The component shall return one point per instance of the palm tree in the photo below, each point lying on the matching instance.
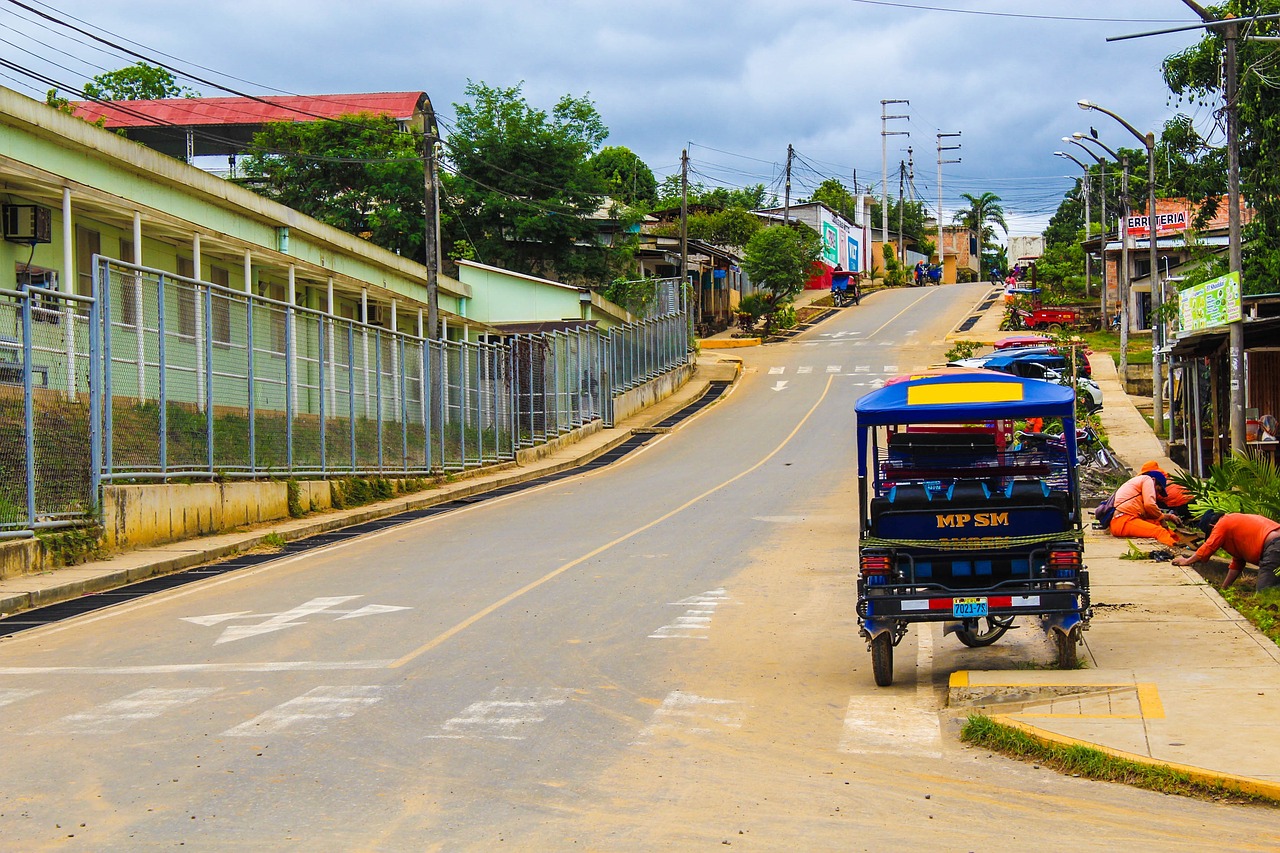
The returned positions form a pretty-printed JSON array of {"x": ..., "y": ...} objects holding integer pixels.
[{"x": 983, "y": 214}]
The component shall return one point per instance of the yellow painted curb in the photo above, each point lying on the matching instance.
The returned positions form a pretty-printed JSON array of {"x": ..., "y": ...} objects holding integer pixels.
[
  {"x": 732, "y": 343},
  {"x": 1244, "y": 784}
]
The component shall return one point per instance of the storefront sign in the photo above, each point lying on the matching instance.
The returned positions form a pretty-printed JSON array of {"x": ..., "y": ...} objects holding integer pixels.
[
  {"x": 1166, "y": 223},
  {"x": 1214, "y": 303}
]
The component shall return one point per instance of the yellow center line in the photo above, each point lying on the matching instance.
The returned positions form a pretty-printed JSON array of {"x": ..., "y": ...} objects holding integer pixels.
[
  {"x": 551, "y": 575},
  {"x": 896, "y": 316}
]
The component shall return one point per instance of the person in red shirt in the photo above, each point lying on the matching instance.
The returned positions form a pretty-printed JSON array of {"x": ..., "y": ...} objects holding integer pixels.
[
  {"x": 1247, "y": 538},
  {"x": 1138, "y": 512},
  {"x": 1176, "y": 499}
]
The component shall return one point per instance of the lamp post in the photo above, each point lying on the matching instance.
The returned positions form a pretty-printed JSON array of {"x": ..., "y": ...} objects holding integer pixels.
[
  {"x": 1088, "y": 268},
  {"x": 1074, "y": 139},
  {"x": 1157, "y": 288}
]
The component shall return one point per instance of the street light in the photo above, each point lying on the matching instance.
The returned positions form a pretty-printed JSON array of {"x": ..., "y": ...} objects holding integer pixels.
[
  {"x": 1157, "y": 289},
  {"x": 1074, "y": 139},
  {"x": 1088, "y": 221}
]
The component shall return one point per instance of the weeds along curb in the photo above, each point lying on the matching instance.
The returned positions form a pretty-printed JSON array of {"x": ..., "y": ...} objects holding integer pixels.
[{"x": 1088, "y": 761}]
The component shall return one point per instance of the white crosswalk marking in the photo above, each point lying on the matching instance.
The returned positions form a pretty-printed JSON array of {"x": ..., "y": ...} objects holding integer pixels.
[
  {"x": 116, "y": 716},
  {"x": 307, "y": 712},
  {"x": 806, "y": 369},
  {"x": 695, "y": 624},
  {"x": 9, "y": 695},
  {"x": 775, "y": 371},
  {"x": 687, "y": 713},
  {"x": 893, "y": 368},
  {"x": 509, "y": 715},
  {"x": 864, "y": 368},
  {"x": 833, "y": 368},
  {"x": 889, "y": 722}
]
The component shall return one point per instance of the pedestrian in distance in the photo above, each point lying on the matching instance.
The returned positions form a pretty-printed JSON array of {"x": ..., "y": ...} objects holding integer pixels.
[
  {"x": 1138, "y": 513},
  {"x": 1247, "y": 538}
]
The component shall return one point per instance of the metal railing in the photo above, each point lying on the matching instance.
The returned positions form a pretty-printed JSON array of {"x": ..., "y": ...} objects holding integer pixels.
[{"x": 159, "y": 377}]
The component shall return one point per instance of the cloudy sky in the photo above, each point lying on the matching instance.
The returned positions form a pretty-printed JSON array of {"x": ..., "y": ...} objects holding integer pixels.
[{"x": 734, "y": 81}]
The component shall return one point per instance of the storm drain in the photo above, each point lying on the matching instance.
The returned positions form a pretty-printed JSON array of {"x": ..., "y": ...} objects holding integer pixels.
[{"x": 96, "y": 601}]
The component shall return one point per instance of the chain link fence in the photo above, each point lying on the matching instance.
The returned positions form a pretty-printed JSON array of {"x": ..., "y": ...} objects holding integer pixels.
[
  {"x": 203, "y": 381},
  {"x": 48, "y": 399}
]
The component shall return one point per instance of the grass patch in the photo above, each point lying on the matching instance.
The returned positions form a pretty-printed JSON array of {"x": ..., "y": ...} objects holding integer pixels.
[
  {"x": 271, "y": 542},
  {"x": 1262, "y": 609},
  {"x": 1091, "y": 763}
]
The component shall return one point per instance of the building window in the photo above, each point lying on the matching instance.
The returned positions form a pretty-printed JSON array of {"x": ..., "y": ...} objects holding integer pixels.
[
  {"x": 275, "y": 291},
  {"x": 88, "y": 244},
  {"x": 186, "y": 299},
  {"x": 221, "y": 311}
]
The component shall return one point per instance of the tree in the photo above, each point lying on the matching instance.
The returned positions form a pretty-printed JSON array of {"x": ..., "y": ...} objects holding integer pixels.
[
  {"x": 1193, "y": 75},
  {"x": 137, "y": 82},
  {"x": 358, "y": 173},
  {"x": 733, "y": 226},
  {"x": 752, "y": 197},
  {"x": 836, "y": 196},
  {"x": 780, "y": 259},
  {"x": 522, "y": 187},
  {"x": 984, "y": 213},
  {"x": 626, "y": 176}
]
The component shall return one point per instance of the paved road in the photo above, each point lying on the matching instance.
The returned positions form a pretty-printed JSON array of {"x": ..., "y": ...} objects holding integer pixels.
[{"x": 662, "y": 653}]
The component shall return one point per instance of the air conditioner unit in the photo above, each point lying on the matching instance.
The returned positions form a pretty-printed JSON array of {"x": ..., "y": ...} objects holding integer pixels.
[{"x": 27, "y": 223}]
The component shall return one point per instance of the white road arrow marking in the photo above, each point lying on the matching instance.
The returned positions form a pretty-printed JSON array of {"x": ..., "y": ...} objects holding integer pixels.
[
  {"x": 372, "y": 609},
  {"x": 779, "y": 385},
  {"x": 876, "y": 383},
  {"x": 289, "y": 618}
]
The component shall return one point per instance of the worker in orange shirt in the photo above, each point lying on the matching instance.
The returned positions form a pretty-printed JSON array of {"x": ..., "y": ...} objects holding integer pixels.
[
  {"x": 1247, "y": 538},
  {"x": 1138, "y": 513},
  {"x": 1176, "y": 499}
]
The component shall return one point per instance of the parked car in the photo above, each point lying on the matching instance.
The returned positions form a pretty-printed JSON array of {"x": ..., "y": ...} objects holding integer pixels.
[{"x": 1037, "y": 363}]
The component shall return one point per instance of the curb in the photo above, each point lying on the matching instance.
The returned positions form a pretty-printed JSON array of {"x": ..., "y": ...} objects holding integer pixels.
[
  {"x": 730, "y": 343},
  {"x": 1244, "y": 784}
]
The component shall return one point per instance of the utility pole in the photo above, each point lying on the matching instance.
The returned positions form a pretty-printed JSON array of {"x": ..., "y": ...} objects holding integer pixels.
[
  {"x": 902, "y": 177},
  {"x": 885, "y": 133},
  {"x": 695, "y": 314},
  {"x": 911, "y": 175},
  {"x": 941, "y": 252},
  {"x": 786, "y": 197},
  {"x": 1124, "y": 270},
  {"x": 431, "y": 203}
]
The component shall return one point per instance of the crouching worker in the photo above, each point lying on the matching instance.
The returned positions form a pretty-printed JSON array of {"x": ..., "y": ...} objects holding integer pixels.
[
  {"x": 1138, "y": 513},
  {"x": 1174, "y": 498},
  {"x": 1247, "y": 538}
]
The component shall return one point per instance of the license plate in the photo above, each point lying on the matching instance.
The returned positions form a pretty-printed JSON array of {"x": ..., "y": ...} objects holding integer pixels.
[{"x": 968, "y": 608}]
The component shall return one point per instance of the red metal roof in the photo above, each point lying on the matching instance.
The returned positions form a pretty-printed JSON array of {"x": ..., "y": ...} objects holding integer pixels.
[{"x": 229, "y": 111}]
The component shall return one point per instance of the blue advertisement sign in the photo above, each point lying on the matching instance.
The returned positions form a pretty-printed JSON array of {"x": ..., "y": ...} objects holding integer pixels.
[{"x": 855, "y": 260}]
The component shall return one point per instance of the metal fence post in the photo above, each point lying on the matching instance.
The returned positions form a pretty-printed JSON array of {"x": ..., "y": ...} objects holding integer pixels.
[
  {"x": 351, "y": 391},
  {"x": 28, "y": 408},
  {"x": 253, "y": 393},
  {"x": 290, "y": 386},
  {"x": 377, "y": 387},
  {"x": 404, "y": 405},
  {"x": 326, "y": 363},
  {"x": 162, "y": 349},
  {"x": 95, "y": 392},
  {"x": 208, "y": 375}
]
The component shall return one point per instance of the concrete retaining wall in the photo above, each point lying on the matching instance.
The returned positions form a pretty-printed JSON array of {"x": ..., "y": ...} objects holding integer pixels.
[
  {"x": 651, "y": 392},
  {"x": 20, "y": 557},
  {"x": 138, "y": 516}
]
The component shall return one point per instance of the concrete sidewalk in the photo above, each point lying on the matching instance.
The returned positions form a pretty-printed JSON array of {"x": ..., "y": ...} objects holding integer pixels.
[
  {"x": 30, "y": 591},
  {"x": 1174, "y": 675}
]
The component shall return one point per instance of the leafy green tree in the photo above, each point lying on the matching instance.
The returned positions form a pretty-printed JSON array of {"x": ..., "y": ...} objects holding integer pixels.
[
  {"x": 1193, "y": 76},
  {"x": 836, "y": 196},
  {"x": 358, "y": 173},
  {"x": 137, "y": 82},
  {"x": 733, "y": 226},
  {"x": 780, "y": 260},
  {"x": 752, "y": 197},
  {"x": 626, "y": 177},
  {"x": 522, "y": 186}
]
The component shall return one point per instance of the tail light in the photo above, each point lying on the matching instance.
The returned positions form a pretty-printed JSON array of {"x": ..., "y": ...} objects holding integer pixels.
[
  {"x": 876, "y": 568},
  {"x": 1065, "y": 563}
]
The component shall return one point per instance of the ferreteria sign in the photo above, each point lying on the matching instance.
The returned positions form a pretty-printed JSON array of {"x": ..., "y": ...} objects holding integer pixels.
[
  {"x": 1166, "y": 223},
  {"x": 1214, "y": 303}
]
